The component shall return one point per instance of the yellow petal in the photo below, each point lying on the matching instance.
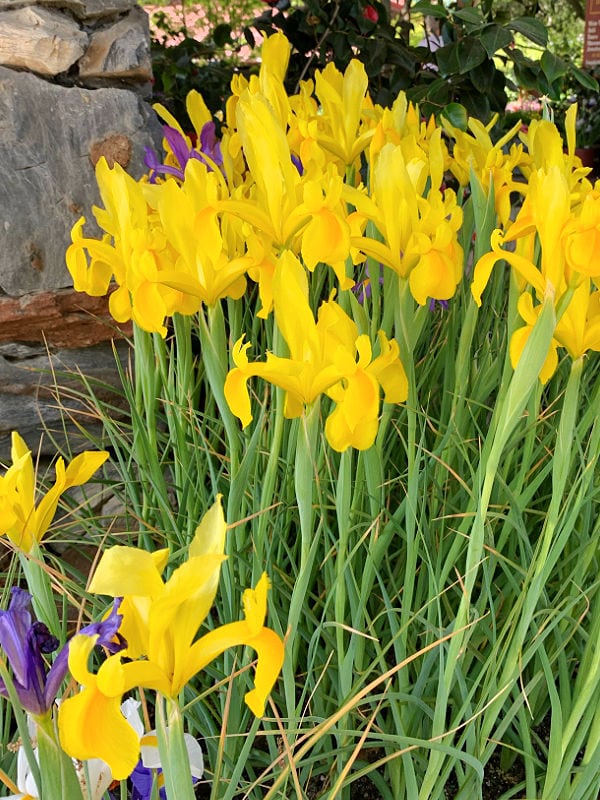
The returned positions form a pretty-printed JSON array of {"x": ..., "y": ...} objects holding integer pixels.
[
  {"x": 83, "y": 466},
  {"x": 354, "y": 421},
  {"x": 517, "y": 344},
  {"x": 270, "y": 651},
  {"x": 210, "y": 533},
  {"x": 126, "y": 570},
  {"x": 91, "y": 725},
  {"x": 236, "y": 394}
]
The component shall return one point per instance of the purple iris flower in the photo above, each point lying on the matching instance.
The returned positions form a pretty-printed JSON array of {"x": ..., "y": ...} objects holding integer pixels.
[
  {"x": 209, "y": 147},
  {"x": 362, "y": 289},
  {"x": 25, "y": 640},
  {"x": 142, "y": 779},
  {"x": 443, "y": 304},
  {"x": 297, "y": 162}
]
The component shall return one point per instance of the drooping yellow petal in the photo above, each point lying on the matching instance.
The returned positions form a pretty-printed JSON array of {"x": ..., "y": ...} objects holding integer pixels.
[
  {"x": 90, "y": 723},
  {"x": 354, "y": 422},
  {"x": 250, "y": 632}
]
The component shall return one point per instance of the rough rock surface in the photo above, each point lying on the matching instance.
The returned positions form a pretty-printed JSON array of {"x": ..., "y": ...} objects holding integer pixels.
[
  {"x": 73, "y": 78},
  {"x": 121, "y": 50},
  {"x": 49, "y": 137},
  {"x": 41, "y": 40},
  {"x": 32, "y": 404},
  {"x": 57, "y": 319}
]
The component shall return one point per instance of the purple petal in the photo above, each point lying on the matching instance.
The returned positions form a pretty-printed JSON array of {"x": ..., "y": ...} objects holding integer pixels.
[
  {"x": 109, "y": 637},
  {"x": 443, "y": 304},
  {"x": 23, "y": 641},
  {"x": 296, "y": 161},
  {"x": 151, "y": 159},
  {"x": 178, "y": 145},
  {"x": 141, "y": 779},
  {"x": 56, "y": 675},
  {"x": 107, "y": 629},
  {"x": 210, "y": 145}
]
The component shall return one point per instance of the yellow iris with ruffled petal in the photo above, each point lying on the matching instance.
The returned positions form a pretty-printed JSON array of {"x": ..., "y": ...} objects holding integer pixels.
[
  {"x": 160, "y": 622},
  {"x": 325, "y": 356}
]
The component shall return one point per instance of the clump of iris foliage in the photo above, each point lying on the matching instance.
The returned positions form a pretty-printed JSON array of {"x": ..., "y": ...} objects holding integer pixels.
[{"x": 375, "y": 335}]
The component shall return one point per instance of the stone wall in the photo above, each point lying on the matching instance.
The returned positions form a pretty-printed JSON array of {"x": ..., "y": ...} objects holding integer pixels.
[{"x": 75, "y": 78}]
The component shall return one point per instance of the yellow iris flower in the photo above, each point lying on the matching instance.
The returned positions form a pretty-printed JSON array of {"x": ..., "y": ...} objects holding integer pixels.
[
  {"x": 474, "y": 150},
  {"x": 344, "y": 100},
  {"x": 22, "y": 521},
  {"x": 284, "y": 209},
  {"x": 160, "y": 621},
  {"x": 324, "y": 356},
  {"x": 134, "y": 251},
  {"x": 544, "y": 214},
  {"x": 582, "y": 237},
  {"x": 578, "y": 330},
  {"x": 207, "y": 255},
  {"x": 419, "y": 233}
]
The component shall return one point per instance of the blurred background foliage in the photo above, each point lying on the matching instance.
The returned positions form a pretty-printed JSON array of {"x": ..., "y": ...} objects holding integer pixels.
[{"x": 480, "y": 54}]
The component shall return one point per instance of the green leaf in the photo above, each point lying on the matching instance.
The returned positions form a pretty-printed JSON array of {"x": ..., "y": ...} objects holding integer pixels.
[
  {"x": 585, "y": 79},
  {"x": 531, "y": 29},
  {"x": 461, "y": 57},
  {"x": 519, "y": 57},
  {"x": 456, "y": 114},
  {"x": 429, "y": 10},
  {"x": 495, "y": 37},
  {"x": 222, "y": 34},
  {"x": 470, "y": 16},
  {"x": 447, "y": 59},
  {"x": 553, "y": 66},
  {"x": 438, "y": 94}
]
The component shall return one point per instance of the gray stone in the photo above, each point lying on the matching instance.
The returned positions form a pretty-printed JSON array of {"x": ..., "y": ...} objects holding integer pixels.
[
  {"x": 44, "y": 415},
  {"x": 89, "y": 9},
  {"x": 121, "y": 50},
  {"x": 40, "y": 40},
  {"x": 47, "y": 134}
]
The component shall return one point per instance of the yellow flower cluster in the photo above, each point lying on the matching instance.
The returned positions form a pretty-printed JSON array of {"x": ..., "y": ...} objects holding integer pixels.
[
  {"x": 326, "y": 179},
  {"x": 560, "y": 217}
]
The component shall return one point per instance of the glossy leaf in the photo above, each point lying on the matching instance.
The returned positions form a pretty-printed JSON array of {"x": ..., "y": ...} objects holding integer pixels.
[
  {"x": 461, "y": 57},
  {"x": 456, "y": 114},
  {"x": 531, "y": 29},
  {"x": 585, "y": 79},
  {"x": 469, "y": 16},
  {"x": 429, "y": 10}
]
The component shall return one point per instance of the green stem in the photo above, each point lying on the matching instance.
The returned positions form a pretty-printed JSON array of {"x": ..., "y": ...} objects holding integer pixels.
[
  {"x": 40, "y": 588},
  {"x": 305, "y": 477},
  {"x": 173, "y": 752},
  {"x": 59, "y": 778}
]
